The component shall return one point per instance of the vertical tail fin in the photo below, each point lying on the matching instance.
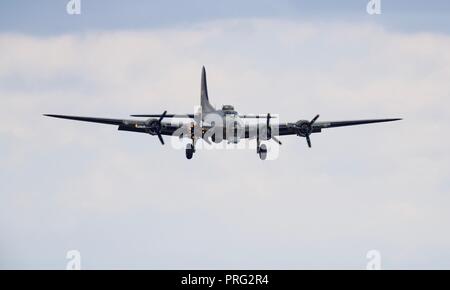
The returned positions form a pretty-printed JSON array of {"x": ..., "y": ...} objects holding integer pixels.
[{"x": 204, "y": 100}]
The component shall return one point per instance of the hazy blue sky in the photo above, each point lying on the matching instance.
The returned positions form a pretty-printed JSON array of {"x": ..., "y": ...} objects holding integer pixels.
[
  {"x": 48, "y": 17},
  {"x": 124, "y": 201}
]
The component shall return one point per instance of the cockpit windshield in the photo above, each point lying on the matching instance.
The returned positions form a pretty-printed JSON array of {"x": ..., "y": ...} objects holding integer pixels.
[{"x": 228, "y": 110}]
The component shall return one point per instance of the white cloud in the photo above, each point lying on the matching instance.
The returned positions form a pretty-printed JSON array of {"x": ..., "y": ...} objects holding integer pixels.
[{"x": 123, "y": 200}]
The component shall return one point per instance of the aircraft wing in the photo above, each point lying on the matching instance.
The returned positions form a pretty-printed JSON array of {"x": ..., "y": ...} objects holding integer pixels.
[
  {"x": 292, "y": 128},
  {"x": 333, "y": 124},
  {"x": 123, "y": 124},
  {"x": 90, "y": 119}
]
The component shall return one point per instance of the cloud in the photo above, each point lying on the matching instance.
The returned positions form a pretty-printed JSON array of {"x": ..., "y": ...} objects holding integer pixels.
[{"x": 125, "y": 201}]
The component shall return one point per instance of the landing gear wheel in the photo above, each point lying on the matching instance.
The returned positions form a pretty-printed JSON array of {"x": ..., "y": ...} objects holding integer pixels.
[
  {"x": 189, "y": 151},
  {"x": 262, "y": 151}
]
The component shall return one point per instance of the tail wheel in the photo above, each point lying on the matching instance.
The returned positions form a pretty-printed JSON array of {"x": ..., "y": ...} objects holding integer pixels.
[
  {"x": 189, "y": 151},
  {"x": 262, "y": 151}
]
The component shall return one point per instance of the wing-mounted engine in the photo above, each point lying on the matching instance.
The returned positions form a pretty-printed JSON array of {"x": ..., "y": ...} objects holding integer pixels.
[
  {"x": 305, "y": 128},
  {"x": 154, "y": 126},
  {"x": 302, "y": 128}
]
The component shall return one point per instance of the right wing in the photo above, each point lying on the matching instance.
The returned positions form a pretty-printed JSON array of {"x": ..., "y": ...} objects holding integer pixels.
[{"x": 124, "y": 124}]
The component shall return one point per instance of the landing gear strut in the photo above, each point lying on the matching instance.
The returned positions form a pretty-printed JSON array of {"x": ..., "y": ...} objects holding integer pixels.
[{"x": 190, "y": 148}]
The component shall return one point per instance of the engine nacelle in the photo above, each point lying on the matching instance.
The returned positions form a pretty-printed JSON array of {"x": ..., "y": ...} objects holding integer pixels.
[
  {"x": 153, "y": 126},
  {"x": 304, "y": 128}
]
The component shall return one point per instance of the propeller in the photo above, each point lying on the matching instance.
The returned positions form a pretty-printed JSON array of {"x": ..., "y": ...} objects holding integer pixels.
[
  {"x": 154, "y": 127},
  {"x": 269, "y": 129},
  {"x": 159, "y": 131},
  {"x": 306, "y": 129}
]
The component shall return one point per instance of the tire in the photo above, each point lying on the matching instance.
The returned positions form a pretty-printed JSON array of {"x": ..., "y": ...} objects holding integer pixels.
[
  {"x": 263, "y": 152},
  {"x": 189, "y": 151}
]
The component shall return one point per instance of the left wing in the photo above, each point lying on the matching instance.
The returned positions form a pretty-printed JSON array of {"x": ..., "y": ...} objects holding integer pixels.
[
  {"x": 333, "y": 124},
  {"x": 316, "y": 127},
  {"x": 302, "y": 128}
]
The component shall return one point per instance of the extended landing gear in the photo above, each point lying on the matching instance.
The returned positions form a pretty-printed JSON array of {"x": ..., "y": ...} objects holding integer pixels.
[
  {"x": 262, "y": 151},
  {"x": 190, "y": 150}
]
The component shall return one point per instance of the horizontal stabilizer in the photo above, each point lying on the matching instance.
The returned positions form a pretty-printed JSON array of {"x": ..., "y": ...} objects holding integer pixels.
[
  {"x": 166, "y": 116},
  {"x": 255, "y": 116}
]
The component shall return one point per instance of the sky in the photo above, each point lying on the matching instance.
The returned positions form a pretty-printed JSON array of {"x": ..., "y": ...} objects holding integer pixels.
[{"x": 123, "y": 201}]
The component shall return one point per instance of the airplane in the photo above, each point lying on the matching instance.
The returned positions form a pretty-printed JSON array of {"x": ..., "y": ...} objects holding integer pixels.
[{"x": 219, "y": 125}]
